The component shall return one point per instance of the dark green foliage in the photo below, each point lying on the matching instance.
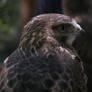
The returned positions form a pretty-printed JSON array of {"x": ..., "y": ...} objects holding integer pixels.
[{"x": 9, "y": 26}]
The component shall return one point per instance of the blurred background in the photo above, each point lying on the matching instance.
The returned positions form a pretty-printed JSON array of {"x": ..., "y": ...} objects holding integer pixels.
[{"x": 9, "y": 26}]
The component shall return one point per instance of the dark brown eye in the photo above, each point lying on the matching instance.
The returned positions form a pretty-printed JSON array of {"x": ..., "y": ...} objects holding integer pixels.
[
  {"x": 65, "y": 26},
  {"x": 58, "y": 27},
  {"x": 61, "y": 27}
]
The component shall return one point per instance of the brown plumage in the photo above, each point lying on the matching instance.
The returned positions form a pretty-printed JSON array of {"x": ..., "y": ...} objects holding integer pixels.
[
  {"x": 81, "y": 10},
  {"x": 44, "y": 61}
]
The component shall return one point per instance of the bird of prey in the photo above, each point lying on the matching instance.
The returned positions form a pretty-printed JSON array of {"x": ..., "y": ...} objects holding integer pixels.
[{"x": 45, "y": 60}]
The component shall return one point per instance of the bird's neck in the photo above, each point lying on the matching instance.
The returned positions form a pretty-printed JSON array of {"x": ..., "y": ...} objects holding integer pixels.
[{"x": 45, "y": 45}]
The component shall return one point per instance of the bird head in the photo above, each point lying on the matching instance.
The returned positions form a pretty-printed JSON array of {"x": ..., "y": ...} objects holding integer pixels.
[
  {"x": 50, "y": 30},
  {"x": 67, "y": 32}
]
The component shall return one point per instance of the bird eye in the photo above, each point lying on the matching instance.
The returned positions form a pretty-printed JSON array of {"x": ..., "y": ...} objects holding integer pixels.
[
  {"x": 61, "y": 27},
  {"x": 65, "y": 26},
  {"x": 58, "y": 27}
]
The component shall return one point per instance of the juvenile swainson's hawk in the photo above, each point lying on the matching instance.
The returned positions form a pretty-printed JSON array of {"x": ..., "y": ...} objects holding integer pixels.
[{"x": 44, "y": 60}]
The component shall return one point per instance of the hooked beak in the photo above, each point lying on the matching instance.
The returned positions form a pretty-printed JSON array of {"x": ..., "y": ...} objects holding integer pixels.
[{"x": 79, "y": 31}]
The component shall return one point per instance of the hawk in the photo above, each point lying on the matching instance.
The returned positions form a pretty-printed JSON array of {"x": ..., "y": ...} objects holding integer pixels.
[{"x": 45, "y": 60}]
